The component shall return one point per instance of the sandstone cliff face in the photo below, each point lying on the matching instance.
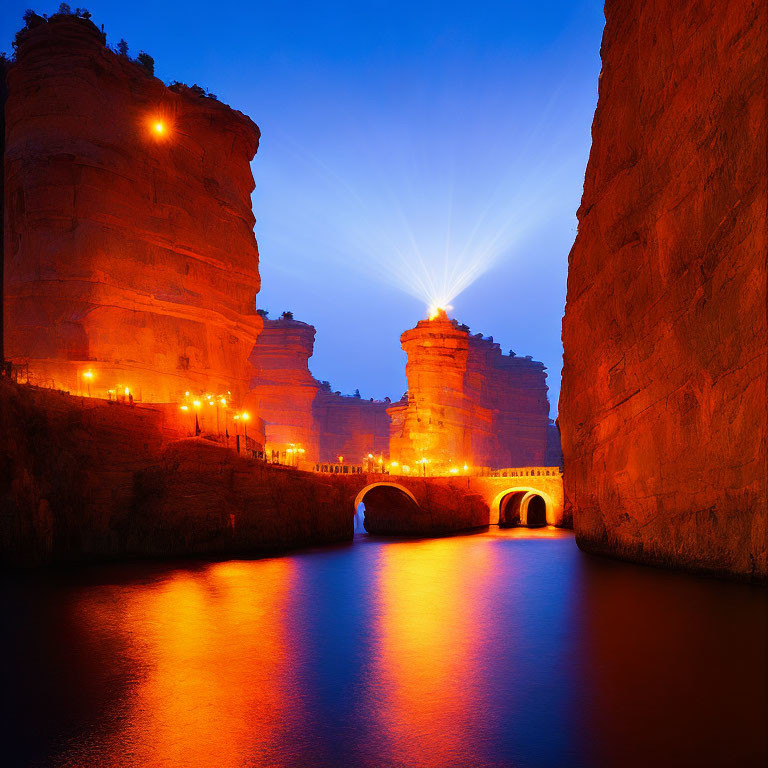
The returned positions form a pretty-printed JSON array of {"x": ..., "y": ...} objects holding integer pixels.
[
  {"x": 84, "y": 479},
  {"x": 468, "y": 403},
  {"x": 282, "y": 388},
  {"x": 350, "y": 427},
  {"x": 299, "y": 411},
  {"x": 663, "y": 405},
  {"x": 128, "y": 251}
]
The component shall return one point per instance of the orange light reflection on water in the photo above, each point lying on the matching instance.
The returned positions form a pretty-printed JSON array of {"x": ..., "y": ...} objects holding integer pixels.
[
  {"x": 430, "y": 645},
  {"x": 214, "y": 654}
]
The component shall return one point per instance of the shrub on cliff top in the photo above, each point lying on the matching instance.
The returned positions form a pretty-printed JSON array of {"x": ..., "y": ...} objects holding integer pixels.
[
  {"x": 146, "y": 62},
  {"x": 177, "y": 87},
  {"x": 32, "y": 20}
]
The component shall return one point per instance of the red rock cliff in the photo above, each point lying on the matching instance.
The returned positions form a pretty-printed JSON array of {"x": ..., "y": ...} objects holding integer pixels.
[
  {"x": 82, "y": 479},
  {"x": 282, "y": 388},
  {"x": 663, "y": 405},
  {"x": 468, "y": 403},
  {"x": 299, "y": 412},
  {"x": 351, "y": 427},
  {"x": 129, "y": 242}
]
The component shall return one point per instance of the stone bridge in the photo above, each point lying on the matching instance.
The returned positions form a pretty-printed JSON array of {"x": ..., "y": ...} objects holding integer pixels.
[{"x": 406, "y": 504}]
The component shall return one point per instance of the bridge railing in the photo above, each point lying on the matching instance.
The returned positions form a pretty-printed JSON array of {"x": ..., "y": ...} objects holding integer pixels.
[
  {"x": 338, "y": 469},
  {"x": 524, "y": 472},
  {"x": 358, "y": 469}
]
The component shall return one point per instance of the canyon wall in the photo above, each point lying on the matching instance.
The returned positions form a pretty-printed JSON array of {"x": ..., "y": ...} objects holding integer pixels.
[
  {"x": 350, "y": 426},
  {"x": 301, "y": 413},
  {"x": 663, "y": 406},
  {"x": 282, "y": 390},
  {"x": 129, "y": 246},
  {"x": 84, "y": 479},
  {"x": 467, "y": 403}
]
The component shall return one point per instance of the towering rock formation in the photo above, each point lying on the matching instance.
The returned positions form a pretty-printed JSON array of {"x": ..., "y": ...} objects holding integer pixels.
[
  {"x": 129, "y": 247},
  {"x": 301, "y": 413},
  {"x": 468, "y": 403},
  {"x": 350, "y": 426},
  {"x": 663, "y": 406},
  {"x": 282, "y": 389}
]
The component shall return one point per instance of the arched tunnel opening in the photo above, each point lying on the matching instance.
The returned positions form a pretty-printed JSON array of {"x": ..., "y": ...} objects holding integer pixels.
[
  {"x": 522, "y": 508},
  {"x": 537, "y": 512},
  {"x": 509, "y": 509},
  {"x": 384, "y": 508}
]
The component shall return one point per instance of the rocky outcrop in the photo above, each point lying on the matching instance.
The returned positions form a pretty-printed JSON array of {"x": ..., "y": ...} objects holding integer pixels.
[
  {"x": 301, "y": 413},
  {"x": 84, "y": 479},
  {"x": 663, "y": 406},
  {"x": 202, "y": 498},
  {"x": 350, "y": 426},
  {"x": 467, "y": 403},
  {"x": 282, "y": 389},
  {"x": 554, "y": 454},
  {"x": 129, "y": 243}
]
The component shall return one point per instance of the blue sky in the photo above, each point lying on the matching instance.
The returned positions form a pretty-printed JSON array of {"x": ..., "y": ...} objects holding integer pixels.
[{"x": 405, "y": 145}]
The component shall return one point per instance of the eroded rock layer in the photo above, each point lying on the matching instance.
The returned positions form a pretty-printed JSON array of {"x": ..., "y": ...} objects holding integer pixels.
[
  {"x": 87, "y": 479},
  {"x": 351, "y": 427},
  {"x": 467, "y": 403},
  {"x": 129, "y": 246},
  {"x": 663, "y": 405},
  {"x": 282, "y": 389},
  {"x": 303, "y": 414}
]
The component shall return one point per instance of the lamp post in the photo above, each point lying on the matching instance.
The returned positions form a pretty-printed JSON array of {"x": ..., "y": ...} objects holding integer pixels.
[
  {"x": 88, "y": 375},
  {"x": 196, "y": 404}
]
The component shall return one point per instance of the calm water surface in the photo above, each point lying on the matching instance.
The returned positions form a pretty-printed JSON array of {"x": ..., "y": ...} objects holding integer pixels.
[{"x": 507, "y": 648}]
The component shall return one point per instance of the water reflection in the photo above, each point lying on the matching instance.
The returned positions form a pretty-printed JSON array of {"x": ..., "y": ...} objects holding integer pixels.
[
  {"x": 430, "y": 636},
  {"x": 215, "y": 656},
  {"x": 675, "y": 668},
  {"x": 509, "y": 648}
]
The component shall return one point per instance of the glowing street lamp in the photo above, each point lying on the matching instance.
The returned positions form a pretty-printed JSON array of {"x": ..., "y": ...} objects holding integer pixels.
[
  {"x": 245, "y": 416},
  {"x": 88, "y": 375}
]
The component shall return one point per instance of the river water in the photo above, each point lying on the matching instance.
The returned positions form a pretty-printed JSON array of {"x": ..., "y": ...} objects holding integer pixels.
[{"x": 506, "y": 648}]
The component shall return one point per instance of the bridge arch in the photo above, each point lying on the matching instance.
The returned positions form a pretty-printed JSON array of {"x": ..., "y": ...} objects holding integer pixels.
[
  {"x": 521, "y": 496},
  {"x": 359, "y": 497}
]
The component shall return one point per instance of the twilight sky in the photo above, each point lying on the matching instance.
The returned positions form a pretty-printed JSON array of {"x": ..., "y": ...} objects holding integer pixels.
[{"x": 410, "y": 151}]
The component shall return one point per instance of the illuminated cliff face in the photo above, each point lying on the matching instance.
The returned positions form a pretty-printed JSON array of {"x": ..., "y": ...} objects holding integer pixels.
[
  {"x": 282, "y": 388},
  {"x": 468, "y": 403},
  {"x": 351, "y": 427},
  {"x": 663, "y": 408},
  {"x": 300, "y": 413},
  {"x": 129, "y": 245}
]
